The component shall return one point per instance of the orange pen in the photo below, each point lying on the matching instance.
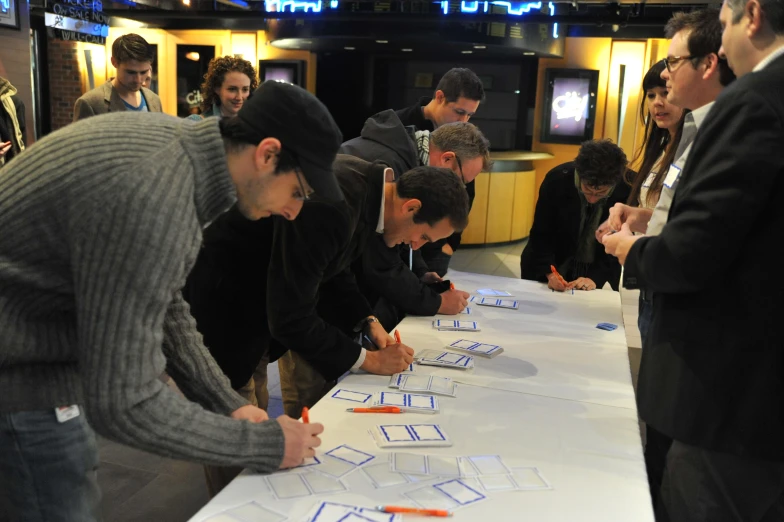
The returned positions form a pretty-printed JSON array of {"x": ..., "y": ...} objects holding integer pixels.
[
  {"x": 383, "y": 409},
  {"x": 554, "y": 271},
  {"x": 452, "y": 286},
  {"x": 415, "y": 511},
  {"x": 305, "y": 415},
  {"x": 397, "y": 337}
]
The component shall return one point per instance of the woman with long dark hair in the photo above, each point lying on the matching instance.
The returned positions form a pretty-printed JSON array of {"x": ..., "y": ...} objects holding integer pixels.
[{"x": 663, "y": 124}]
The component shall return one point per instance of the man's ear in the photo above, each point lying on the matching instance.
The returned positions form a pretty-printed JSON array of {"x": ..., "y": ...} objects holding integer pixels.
[
  {"x": 712, "y": 61},
  {"x": 115, "y": 63},
  {"x": 266, "y": 154},
  {"x": 440, "y": 98},
  {"x": 411, "y": 206}
]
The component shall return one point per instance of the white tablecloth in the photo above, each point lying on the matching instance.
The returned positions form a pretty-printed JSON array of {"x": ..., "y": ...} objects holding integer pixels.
[{"x": 559, "y": 398}]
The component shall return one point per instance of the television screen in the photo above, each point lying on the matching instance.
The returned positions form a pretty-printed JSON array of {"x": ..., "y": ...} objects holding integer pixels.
[
  {"x": 289, "y": 71},
  {"x": 281, "y": 74},
  {"x": 570, "y": 105}
]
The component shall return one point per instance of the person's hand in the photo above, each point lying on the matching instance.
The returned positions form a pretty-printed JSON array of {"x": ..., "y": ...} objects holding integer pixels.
[
  {"x": 619, "y": 214},
  {"x": 554, "y": 282},
  {"x": 4, "y": 147},
  {"x": 583, "y": 283},
  {"x": 453, "y": 302},
  {"x": 603, "y": 230},
  {"x": 301, "y": 439},
  {"x": 637, "y": 218},
  {"x": 431, "y": 277},
  {"x": 620, "y": 243},
  {"x": 394, "y": 358},
  {"x": 379, "y": 336},
  {"x": 446, "y": 249},
  {"x": 250, "y": 413}
]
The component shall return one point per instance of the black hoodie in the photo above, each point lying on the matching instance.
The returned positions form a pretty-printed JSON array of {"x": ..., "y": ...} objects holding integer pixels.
[{"x": 385, "y": 139}]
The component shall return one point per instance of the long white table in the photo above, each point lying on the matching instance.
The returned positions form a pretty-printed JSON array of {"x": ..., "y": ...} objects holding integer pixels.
[{"x": 559, "y": 398}]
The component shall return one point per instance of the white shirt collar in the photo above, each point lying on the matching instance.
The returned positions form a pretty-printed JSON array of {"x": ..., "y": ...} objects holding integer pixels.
[
  {"x": 389, "y": 176},
  {"x": 769, "y": 58}
]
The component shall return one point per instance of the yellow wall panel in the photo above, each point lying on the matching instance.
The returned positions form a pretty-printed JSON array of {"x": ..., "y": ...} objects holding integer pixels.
[
  {"x": 474, "y": 234},
  {"x": 500, "y": 207},
  {"x": 523, "y": 206}
]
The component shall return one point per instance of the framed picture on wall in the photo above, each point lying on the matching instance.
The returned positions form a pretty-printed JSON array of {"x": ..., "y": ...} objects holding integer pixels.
[
  {"x": 421, "y": 80},
  {"x": 9, "y": 14}
]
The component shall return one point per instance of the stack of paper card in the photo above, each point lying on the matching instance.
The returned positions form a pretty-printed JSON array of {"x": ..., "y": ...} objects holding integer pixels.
[
  {"x": 410, "y": 435},
  {"x": 498, "y": 303},
  {"x": 452, "y": 325},
  {"x": 424, "y": 383},
  {"x": 450, "y": 495},
  {"x": 408, "y": 402},
  {"x": 493, "y": 293},
  {"x": 444, "y": 359},
  {"x": 473, "y": 347},
  {"x": 334, "y": 512}
]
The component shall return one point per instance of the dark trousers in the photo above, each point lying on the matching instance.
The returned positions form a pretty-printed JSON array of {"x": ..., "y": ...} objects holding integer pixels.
[
  {"x": 657, "y": 445},
  {"x": 707, "y": 486}
]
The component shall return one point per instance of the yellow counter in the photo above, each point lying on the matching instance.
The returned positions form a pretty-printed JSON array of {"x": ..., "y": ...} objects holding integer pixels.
[{"x": 503, "y": 209}]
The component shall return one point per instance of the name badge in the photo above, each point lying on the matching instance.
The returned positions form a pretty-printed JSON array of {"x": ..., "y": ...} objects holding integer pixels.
[
  {"x": 66, "y": 413},
  {"x": 672, "y": 176}
]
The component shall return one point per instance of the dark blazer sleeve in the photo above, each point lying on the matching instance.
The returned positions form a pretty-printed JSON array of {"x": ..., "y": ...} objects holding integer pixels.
[
  {"x": 301, "y": 252},
  {"x": 454, "y": 240},
  {"x": 419, "y": 267},
  {"x": 721, "y": 194},
  {"x": 384, "y": 271},
  {"x": 539, "y": 253}
]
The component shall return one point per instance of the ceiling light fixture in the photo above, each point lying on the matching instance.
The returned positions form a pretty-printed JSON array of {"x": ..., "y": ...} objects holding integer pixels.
[
  {"x": 406, "y": 50},
  {"x": 193, "y": 56},
  {"x": 382, "y": 41},
  {"x": 479, "y": 47},
  {"x": 529, "y": 54},
  {"x": 349, "y": 48},
  {"x": 466, "y": 52}
]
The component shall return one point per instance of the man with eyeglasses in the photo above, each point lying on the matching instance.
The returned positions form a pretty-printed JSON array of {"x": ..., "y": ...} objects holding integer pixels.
[
  {"x": 695, "y": 76},
  {"x": 107, "y": 221},
  {"x": 573, "y": 199}
]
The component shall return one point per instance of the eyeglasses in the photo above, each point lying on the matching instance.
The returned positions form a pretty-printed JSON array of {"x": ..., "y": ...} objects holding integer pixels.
[
  {"x": 672, "y": 61},
  {"x": 460, "y": 168},
  {"x": 601, "y": 194},
  {"x": 305, "y": 196}
]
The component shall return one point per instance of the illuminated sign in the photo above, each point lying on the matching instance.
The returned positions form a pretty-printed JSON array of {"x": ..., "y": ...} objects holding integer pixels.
[
  {"x": 281, "y": 6},
  {"x": 570, "y": 105}
]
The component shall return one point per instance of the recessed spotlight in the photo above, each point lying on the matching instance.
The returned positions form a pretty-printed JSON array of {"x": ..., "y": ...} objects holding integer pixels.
[
  {"x": 349, "y": 48},
  {"x": 517, "y": 92},
  {"x": 466, "y": 52},
  {"x": 307, "y": 42},
  {"x": 382, "y": 41},
  {"x": 406, "y": 50},
  {"x": 479, "y": 47},
  {"x": 529, "y": 54}
]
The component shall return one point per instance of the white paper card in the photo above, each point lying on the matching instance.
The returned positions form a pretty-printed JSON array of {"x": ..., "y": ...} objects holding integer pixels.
[
  {"x": 350, "y": 455},
  {"x": 335, "y": 467},
  {"x": 394, "y": 381},
  {"x": 408, "y": 401},
  {"x": 493, "y": 483},
  {"x": 499, "y": 303},
  {"x": 408, "y": 463},
  {"x": 452, "y": 324},
  {"x": 474, "y": 347},
  {"x": 428, "y": 383},
  {"x": 415, "y": 382},
  {"x": 410, "y": 435},
  {"x": 351, "y": 396},
  {"x": 443, "y": 466},
  {"x": 321, "y": 484},
  {"x": 285, "y": 486},
  {"x": 445, "y": 359},
  {"x": 530, "y": 479},
  {"x": 466, "y": 311},
  {"x": 459, "y": 492},
  {"x": 334, "y": 512},
  {"x": 382, "y": 477},
  {"x": 491, "y": 292},
  {"x": 430, "y": 498},
  {"x": 489, "y": 465},
  {"x": 221, "y": 517},
  {"x": 254, "y": 512}
]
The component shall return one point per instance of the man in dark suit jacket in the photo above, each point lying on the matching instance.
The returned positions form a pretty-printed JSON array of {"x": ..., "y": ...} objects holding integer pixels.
[
  {"x": 574, "y": 199},
  {"x": 711, "y": 373},
  {"x": 132, "y": 56}
]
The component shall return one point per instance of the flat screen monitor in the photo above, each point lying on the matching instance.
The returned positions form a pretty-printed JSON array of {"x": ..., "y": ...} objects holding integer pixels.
[
  {"x": 289, "y": 71},
  {"x": 569, "y": 105}
]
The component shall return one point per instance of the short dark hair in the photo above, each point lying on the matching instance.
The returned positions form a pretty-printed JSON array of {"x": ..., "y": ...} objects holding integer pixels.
[
  {"x": 465, "y": 140},
  {"x": 704, "y": 37},
  {"x": 237, "y": 135},
  {"x": 461, "y": 83},
  {"x": 130, "y": 47},
  {"x": 773, "y": 10},
  {"x": 441, "y": 192},
  {"x": 600, "y": 163}
]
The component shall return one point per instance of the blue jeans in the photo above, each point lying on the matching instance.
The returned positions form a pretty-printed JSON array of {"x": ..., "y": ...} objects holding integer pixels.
[
  {"x": 48, "y": 470},
  {"x": 645, "y": 314}
]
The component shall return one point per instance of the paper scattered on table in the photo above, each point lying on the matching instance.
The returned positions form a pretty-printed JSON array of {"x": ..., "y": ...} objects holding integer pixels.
[
  {"x": 250, "y": 512},
  {"x": 444, "y": 359},
  {"x": 519, "y": 479},
  {"x": 466, "y": 311},
  {"x": 493, "y": 293},
  {"x": 382, "y": 477},
  {"x": 352, "y": 396},
  {"x": 285, "y": 486},
  {"x": 410, "y": 435},
  {"x": 341, "y": 461},
  {"x": 473, "y": 347},
  {"x": 438, "y": 465},
  {"x": 409, "y": 402},
  {"x": 424, "y": 383},
  {"x": 450, "y": 495},
  {"x": 334, "y": 512},
  {"x": 450, "y": 325},
  {"x": 498, "y": 303}
]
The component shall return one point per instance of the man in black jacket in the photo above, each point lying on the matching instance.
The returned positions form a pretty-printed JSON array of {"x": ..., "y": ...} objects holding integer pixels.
[
  {"x": 573, "y": 200},
  {"x": 710, "y": 376}
]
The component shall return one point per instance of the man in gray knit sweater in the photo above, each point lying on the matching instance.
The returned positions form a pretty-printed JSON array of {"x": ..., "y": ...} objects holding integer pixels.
[{"x": 99, "y": 227}]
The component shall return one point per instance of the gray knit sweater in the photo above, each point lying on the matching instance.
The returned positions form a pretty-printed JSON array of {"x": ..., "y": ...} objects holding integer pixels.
[{"x": 100, "y": 224}]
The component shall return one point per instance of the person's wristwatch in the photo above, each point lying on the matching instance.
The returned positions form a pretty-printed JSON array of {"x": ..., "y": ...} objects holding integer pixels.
[{"x": 366, "y": 322}]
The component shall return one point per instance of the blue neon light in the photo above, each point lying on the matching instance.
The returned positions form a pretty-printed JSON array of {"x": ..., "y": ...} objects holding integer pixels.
[
  {"x": 555, "y": 30},
  {"x": 279, "y": 6},
  {"x": 333, "y": 4},
  {"x": 5, "y": 6},
  {"x": 552, "y": 8},
  {"x": 445, "y": 7}
]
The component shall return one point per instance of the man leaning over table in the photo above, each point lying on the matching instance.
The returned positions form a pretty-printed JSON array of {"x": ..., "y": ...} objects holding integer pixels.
[
  {"x": 710, "y": 376},
  {"x": 91, "y": 310}
]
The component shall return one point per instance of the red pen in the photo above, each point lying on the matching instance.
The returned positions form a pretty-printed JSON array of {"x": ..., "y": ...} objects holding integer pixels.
[
  {"x": 415, "y": 511},
  {"x": 305, "y": 415},
  {"x": 397, "y": 337}
]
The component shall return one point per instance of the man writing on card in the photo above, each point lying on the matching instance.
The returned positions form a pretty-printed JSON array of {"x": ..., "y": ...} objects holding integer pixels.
[
  {"x": 309, "y": 270},
  {"x": 692, "y": 84},
  {"x": 573, "y": 200},
  {"x": 91, "y": 311}
]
